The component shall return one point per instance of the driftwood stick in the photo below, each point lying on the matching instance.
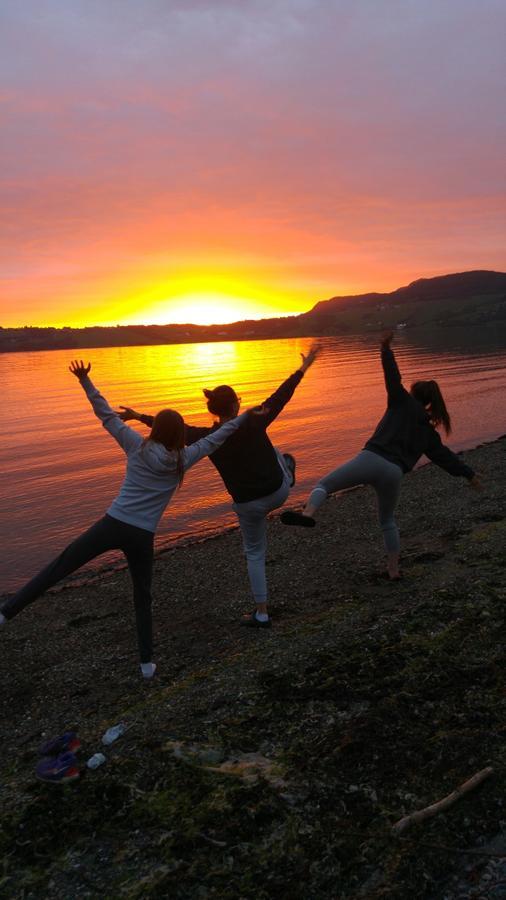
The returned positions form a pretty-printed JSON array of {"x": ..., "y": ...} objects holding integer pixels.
[
  {"x": 438, "y": 807},
  {"x": 211, "y": 840}
]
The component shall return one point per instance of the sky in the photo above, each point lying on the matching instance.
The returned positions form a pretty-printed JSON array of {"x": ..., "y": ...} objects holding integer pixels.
[{"x": 215, "y": 160}]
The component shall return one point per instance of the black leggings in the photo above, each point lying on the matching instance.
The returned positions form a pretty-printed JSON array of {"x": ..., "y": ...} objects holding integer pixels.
[{"x": 106, "y": 534}]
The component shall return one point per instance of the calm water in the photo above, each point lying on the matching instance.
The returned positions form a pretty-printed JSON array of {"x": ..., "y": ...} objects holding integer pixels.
[{"x": 59, "y": 469}]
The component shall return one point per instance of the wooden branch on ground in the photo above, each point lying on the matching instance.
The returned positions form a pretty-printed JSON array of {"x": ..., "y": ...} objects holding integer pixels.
[
  {"x": 211, "y": 840},
  {"x": 443, "y": 804}
]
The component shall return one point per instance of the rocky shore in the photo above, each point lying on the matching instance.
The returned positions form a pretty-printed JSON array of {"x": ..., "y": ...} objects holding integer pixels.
[{"x": 273, "y": 763}]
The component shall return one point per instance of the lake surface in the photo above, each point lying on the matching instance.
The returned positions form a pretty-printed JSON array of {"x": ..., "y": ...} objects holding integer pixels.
[{"x": 59, "y": 469}]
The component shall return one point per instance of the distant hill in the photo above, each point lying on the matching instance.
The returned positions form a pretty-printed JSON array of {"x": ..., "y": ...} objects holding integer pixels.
[
  {"x": 476, "y": 298},
  {"x": 474, "y": 302}
]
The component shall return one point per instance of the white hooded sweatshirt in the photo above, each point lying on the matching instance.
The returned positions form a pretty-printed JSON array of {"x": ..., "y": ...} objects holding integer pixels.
[{"x": 151, "y": 474}]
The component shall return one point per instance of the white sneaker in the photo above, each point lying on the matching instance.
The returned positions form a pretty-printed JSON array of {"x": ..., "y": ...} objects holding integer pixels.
[{"x": 148, "y": 670}]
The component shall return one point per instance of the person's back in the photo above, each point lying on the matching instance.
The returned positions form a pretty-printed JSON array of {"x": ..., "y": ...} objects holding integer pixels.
[
  {"x": 406, "y": 432},
  {"x": 153, "y": 470},
  {"x": 150, "y": 480},
  {"x": 403, "y": 434},
  {"x": 247, "y": 463}
]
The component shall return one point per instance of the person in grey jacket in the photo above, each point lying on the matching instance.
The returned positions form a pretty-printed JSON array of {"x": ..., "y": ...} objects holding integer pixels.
[
  {"x": 406, "y": 431},
  {"x": 155, "y": 469}
]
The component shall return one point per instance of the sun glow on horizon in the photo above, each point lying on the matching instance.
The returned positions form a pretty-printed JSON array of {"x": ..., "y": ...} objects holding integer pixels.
[
  {"x": 188, "y": 296},
  {"x": 207, "y": 295},
  {"x": 204, "y": 308}
]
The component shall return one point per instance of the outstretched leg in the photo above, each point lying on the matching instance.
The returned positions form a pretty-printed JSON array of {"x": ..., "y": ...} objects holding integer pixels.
[
  {"x": 366, "y": 468},
  {"x": 100, "y": 538},
  {"x": 349, "y": 475}
]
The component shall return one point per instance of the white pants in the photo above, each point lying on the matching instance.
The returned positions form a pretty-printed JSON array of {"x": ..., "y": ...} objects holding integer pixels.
[{"x": 253, "y": 521}]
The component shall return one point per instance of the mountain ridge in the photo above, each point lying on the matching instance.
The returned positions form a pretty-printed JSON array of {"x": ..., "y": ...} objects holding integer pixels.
[{"x": 461, "y": 284}]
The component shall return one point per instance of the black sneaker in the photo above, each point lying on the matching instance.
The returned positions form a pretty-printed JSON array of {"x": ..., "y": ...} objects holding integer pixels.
[
  {"x": 290, "y": 517},
  {"x": 290, "y": 465}
]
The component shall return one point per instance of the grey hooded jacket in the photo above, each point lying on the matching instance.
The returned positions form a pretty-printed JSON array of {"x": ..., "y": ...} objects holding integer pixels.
[{"x": 151, "y": 474}]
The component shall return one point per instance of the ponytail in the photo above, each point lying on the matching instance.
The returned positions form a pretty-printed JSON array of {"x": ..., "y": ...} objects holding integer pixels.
[{"x": 428, "y": 393}]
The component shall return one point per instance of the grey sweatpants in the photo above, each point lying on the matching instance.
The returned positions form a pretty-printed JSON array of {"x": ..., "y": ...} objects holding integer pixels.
[
  {"x": 367, "y": 468},
  {"x": 253, "y": 521}
]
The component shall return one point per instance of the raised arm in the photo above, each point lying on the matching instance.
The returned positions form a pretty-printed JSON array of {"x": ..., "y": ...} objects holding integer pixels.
[
  {"x": 278, "y": 400},
  {"x": 393, "y": 380},
  {"x": 215, "y": 439},
  {"x": 126, "y": 437}
]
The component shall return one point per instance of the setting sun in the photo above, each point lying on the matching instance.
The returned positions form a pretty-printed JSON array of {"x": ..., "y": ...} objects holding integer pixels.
[
  {"x": 200, "y": 295},
  {"x": 205, "y": 309},
  {"x": 202, "y": 309}
]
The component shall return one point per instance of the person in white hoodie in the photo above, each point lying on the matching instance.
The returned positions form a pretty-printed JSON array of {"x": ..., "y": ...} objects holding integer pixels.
[{"x": 155, "y": 469}]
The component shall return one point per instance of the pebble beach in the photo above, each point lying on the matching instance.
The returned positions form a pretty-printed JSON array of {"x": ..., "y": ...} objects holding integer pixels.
[{"x": 365, "y": 699}]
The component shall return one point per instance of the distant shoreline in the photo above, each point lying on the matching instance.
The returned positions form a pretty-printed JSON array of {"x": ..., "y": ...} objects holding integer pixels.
[
  {"x": 430, "y": 307},
  {"x": 465, "y": 337}
]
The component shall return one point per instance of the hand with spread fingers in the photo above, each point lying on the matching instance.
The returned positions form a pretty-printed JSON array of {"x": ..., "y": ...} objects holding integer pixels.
[
  {"x": 128, "y": 413},
  {"x": 79, "y": 369}
]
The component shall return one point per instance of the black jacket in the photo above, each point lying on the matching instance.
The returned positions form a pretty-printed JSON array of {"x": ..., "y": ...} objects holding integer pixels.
[
  {"x": 405, "y": 431},
  {"x": 247, "y": 461}
]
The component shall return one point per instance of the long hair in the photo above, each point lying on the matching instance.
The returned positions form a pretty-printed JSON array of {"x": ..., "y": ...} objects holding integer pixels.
[
  {"x": 168, "y": 430},
  {"x": 221, "y": 401},
  {"x": 428, "y": 393}
]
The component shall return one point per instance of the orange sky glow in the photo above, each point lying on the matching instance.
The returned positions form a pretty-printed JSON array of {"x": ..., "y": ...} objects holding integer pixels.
[{"x": 208, "y": 161}]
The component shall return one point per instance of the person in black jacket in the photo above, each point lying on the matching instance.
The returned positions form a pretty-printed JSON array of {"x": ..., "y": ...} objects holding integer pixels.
[
  {"x": 256, "y": 475},
  {"x": 406, "y": 431}
]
